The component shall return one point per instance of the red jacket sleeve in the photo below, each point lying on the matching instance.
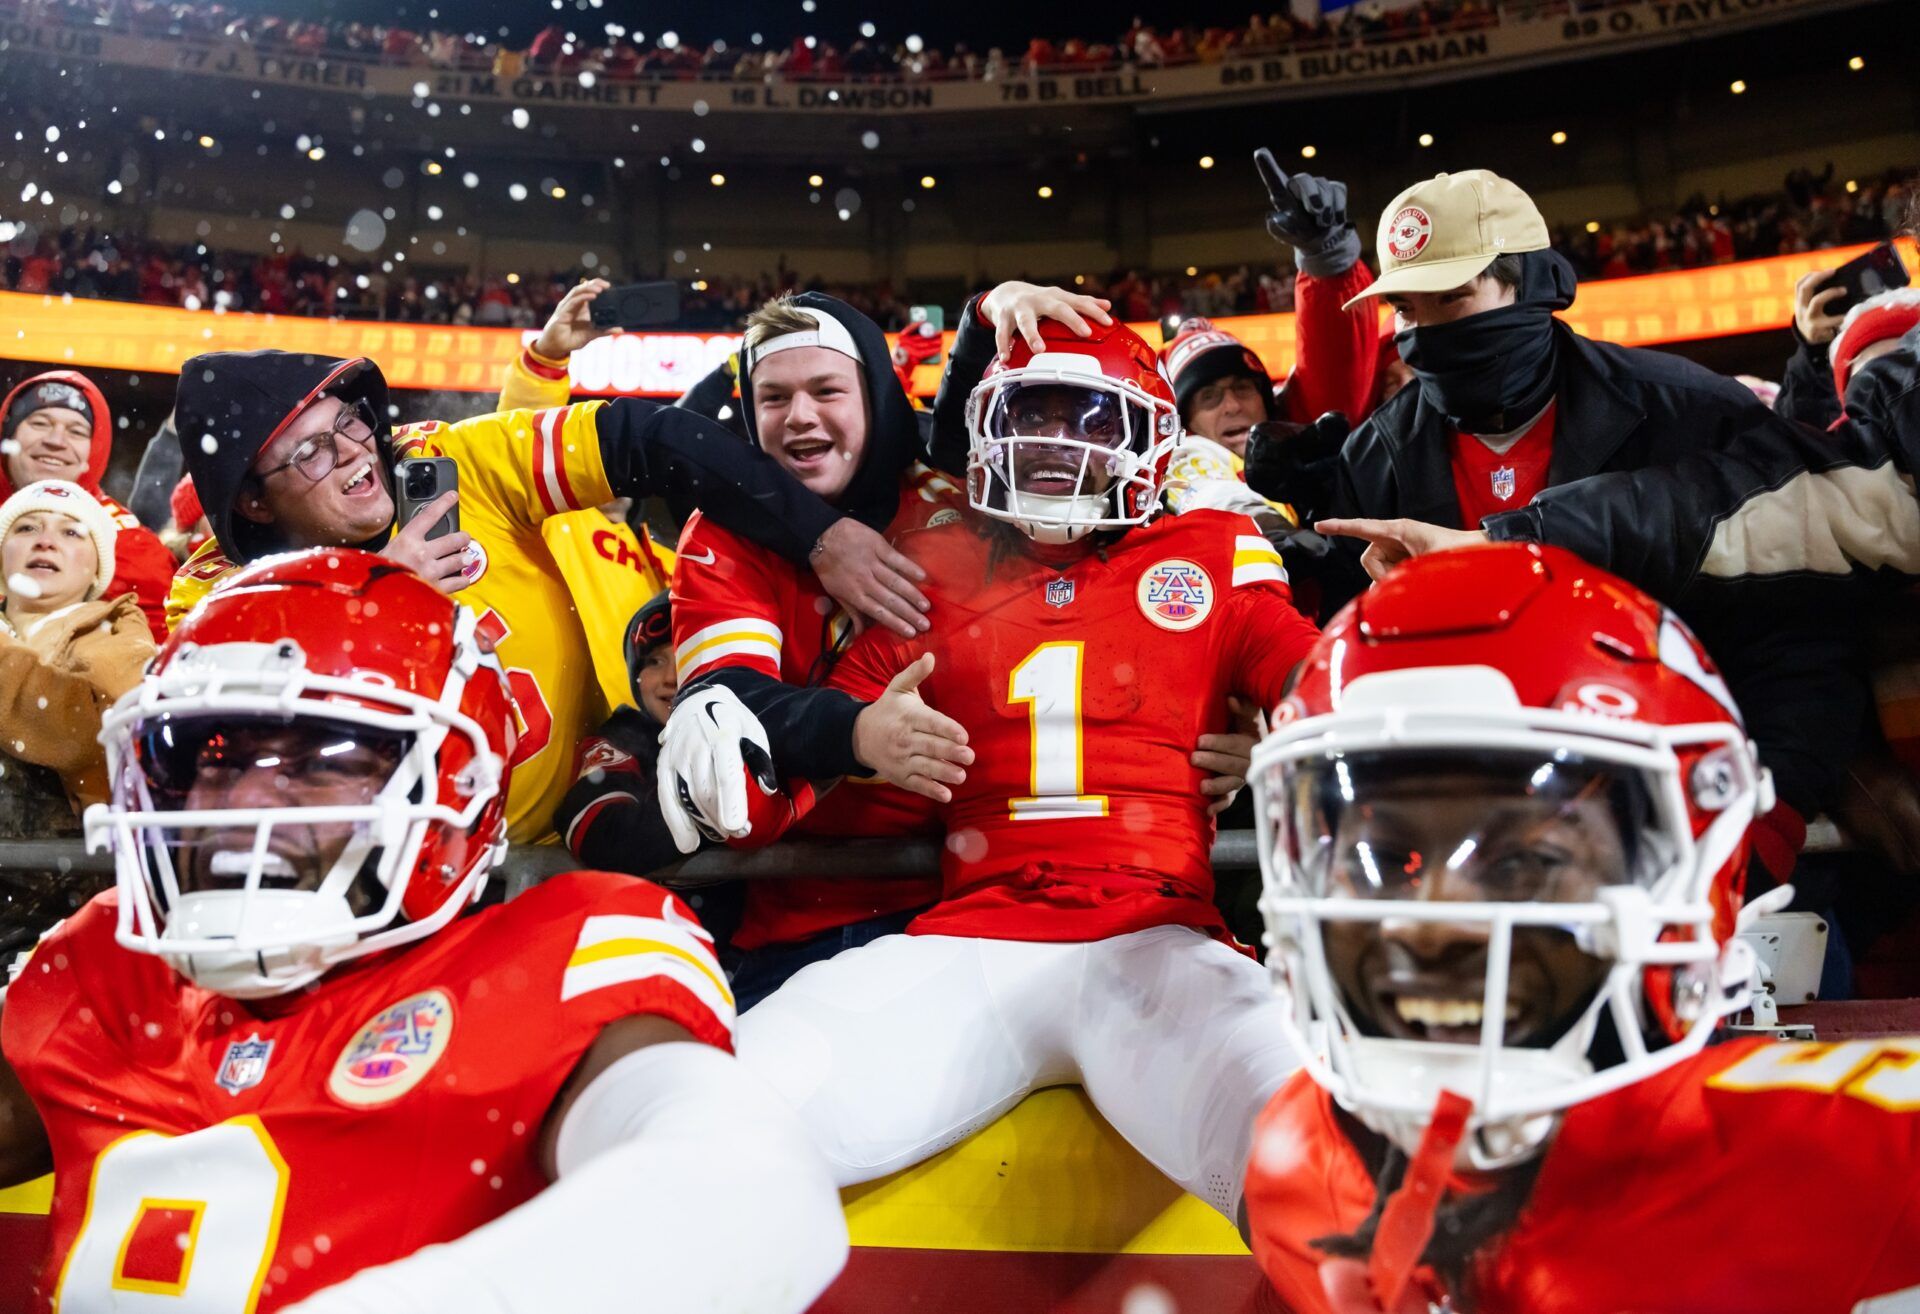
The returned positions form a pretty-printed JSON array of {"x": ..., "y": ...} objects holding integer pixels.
[
  {"x": 1335, "y": 350},
  {"x": 144, "y": 568}
]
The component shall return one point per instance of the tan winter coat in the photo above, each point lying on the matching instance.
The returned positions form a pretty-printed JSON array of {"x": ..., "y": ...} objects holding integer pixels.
[{"x": 51, "y": 704}]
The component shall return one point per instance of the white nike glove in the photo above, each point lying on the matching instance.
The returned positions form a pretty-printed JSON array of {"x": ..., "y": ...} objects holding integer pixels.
[{"x": 708, "y": 745}]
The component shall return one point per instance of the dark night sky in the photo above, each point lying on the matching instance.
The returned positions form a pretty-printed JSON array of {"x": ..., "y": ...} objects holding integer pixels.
[{"x": 979, "y": 22}]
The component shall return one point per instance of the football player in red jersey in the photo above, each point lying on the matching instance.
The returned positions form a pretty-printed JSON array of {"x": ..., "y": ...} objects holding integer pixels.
[
  {"x": 277, "y": 1068},
  {"x": 1504, "y": 825},
  {"x": 1084, "y": 642}
]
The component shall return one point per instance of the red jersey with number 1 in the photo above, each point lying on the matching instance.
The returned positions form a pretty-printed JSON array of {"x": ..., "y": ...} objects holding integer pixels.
[
  {"x": 1754, "y": 1178},
  {"x": 241, "y": 1156},
  {"x": 737, "y": 604},
  {"x": 1084, "y": 688}
]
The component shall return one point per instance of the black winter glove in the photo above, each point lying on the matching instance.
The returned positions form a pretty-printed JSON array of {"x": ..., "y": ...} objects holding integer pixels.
[
  {"x": 1310, "y": 215},
  {"x": 1279, "y": 452}
]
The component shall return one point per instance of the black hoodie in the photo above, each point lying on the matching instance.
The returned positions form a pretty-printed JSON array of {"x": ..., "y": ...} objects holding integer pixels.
[
  {"x": 824, "y": 719},
  {"x": 231, "y": 404},
  {"x": 893, "y": 426}
]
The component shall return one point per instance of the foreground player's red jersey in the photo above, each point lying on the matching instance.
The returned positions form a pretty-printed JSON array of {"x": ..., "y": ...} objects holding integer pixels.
[
  {"x": 1084, "y": 689},
  {"x": 1756, "y": 1178},
  {"x": 241, "y": 1156},
  {"x": 737, "y": 604}
]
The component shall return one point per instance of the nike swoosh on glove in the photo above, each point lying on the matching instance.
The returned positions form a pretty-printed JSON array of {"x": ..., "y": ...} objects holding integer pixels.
[{"x": 710, "y": 747}]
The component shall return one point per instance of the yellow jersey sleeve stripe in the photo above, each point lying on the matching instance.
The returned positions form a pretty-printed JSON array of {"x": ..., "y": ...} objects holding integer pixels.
[
  {"x": 719, "y": 649},
  {"x": 587, "y": 955},
  {"x": 727, "y": 631}
]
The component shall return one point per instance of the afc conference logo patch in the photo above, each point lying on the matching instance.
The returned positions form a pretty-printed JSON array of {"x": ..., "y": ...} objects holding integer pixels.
[
  {"x": 1503, "y": 482},
  {"x": 1059, "y": 592},
  {"x": 394, "y": 1051},
  {"x": 1409, "y": 233},
  {"x": 1175, "y": 594},
  {"x": 244, "y": 1065}
]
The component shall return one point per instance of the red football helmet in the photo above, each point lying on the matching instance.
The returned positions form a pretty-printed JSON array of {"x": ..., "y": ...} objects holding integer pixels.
[
  {"x": 314, "y": 768},
  {"x": 1503, "y": 824},
  {"x": 1073, "y": 438}
]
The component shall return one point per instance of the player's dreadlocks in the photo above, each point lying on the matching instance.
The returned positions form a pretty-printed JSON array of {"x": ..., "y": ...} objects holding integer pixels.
[{"x": 1462, "y": 1225}]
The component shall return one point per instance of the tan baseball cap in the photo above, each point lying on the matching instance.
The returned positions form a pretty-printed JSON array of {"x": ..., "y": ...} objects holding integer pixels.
[{"x": 1444, "y": 232}]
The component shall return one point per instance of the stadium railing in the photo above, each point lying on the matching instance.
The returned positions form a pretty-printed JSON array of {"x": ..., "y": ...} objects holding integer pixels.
[{"x": 529, "y": 864}]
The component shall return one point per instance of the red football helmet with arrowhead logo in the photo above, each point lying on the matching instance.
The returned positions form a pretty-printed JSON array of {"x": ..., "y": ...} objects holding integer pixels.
[
  {"x": 1503, "y": 821},
  {"x": 1073, "y": 438},
  {"x": 314, "y": 768}
]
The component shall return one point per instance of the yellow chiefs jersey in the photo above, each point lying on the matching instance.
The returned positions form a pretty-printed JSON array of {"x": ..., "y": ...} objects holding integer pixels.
[
  {"x": 518, "y": 469},
  {"x": 611, "y": 573},
  {"x": 609, "y": 570}
]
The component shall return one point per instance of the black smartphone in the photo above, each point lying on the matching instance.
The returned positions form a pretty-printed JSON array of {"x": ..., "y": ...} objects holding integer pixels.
[
  {"x": 1879, "y": 270},
  {"x": 636, "y": 306},
  {"x": 420, "y": 480}
]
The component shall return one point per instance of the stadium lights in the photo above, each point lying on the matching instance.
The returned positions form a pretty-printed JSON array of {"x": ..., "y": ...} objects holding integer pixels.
[
  {"x": 206, "y": 143},
  {"x": 927, "y": 181},
  {"x": 1045, "y": 193},
  {"x": 1739, "y": 87},
  {"x": 558, "y": 193},
  {"x": 1206, "y": 161},
  {"x": 867, "y": 30},
  {"x": 1853, "y": 185},
  {"x": 1426, "y": 139},
  {"x": 513, "y": 278},
  {"x": 1192, "y": 270},
  {"x": 1308, "y": 152},
  {"x": 718, "y": 180},
  {"x": 1856, "y": 63},
  {"x": 1079, "y": 280},
  {"x": 815, "y": 180},
  {"x": 1559, "y": 139},
  {"x": 699, "y": 285},
  {"x": 1593, "y": 225},
  {"x": 317, "y": 153}
]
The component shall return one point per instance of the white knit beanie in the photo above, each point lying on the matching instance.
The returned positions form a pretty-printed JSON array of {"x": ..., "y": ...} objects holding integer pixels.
[{"x": 68, "y": 499}]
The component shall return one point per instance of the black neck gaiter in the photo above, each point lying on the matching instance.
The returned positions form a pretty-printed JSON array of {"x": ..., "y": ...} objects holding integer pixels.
[{"x": 1492, "y": 372}]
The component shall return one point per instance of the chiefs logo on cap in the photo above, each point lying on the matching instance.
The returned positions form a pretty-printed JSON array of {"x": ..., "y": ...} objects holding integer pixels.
[{"x": 1409, "y": 233}]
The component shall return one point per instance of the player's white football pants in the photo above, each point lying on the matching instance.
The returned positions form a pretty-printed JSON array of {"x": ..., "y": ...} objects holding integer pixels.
[{"x": 895, "y": 1050}]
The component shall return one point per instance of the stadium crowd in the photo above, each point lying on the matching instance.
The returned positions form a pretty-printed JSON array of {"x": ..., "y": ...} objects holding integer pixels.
[
  {"x": 1532, "y": 655},
  {"x": 558, "y": 50},
  {"x": 1811, "y": 211}
]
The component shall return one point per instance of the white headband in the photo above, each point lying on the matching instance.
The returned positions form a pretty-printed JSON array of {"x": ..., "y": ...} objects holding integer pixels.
[{"x": 829, "y": 333}]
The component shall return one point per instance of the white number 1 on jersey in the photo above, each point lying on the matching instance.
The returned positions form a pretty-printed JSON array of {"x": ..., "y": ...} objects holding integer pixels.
[{"x": 1048, "y": 681}]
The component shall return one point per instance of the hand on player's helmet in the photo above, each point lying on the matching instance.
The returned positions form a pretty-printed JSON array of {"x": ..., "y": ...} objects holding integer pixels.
[
  {"x": 905, "y": 742},
  {"x": 1016, "y": 308},
  {"x": 571, "y": 327},
  {"x": 1390, "y": 542},
  {"x": 450, "y": 562},
  {"x": 864, "y": 574},
  {"x": 1310, "y": 215},
  {"x": 709, "y": 746}
]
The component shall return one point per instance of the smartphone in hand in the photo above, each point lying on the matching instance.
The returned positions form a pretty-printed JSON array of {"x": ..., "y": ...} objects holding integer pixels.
[{"x": 421, "y": 479}]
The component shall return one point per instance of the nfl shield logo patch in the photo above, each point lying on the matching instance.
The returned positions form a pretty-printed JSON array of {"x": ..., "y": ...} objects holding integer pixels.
[
  {"x": 1059, "y": 592},
  {"x": 1503, "y": 482},
  {"x": 244, "y": 1065}
]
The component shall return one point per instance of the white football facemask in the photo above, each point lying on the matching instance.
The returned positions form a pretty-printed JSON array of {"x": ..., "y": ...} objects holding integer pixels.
[
  {"x": 1435, "y": 810},
  {"x": 1058, "y": 449}
]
